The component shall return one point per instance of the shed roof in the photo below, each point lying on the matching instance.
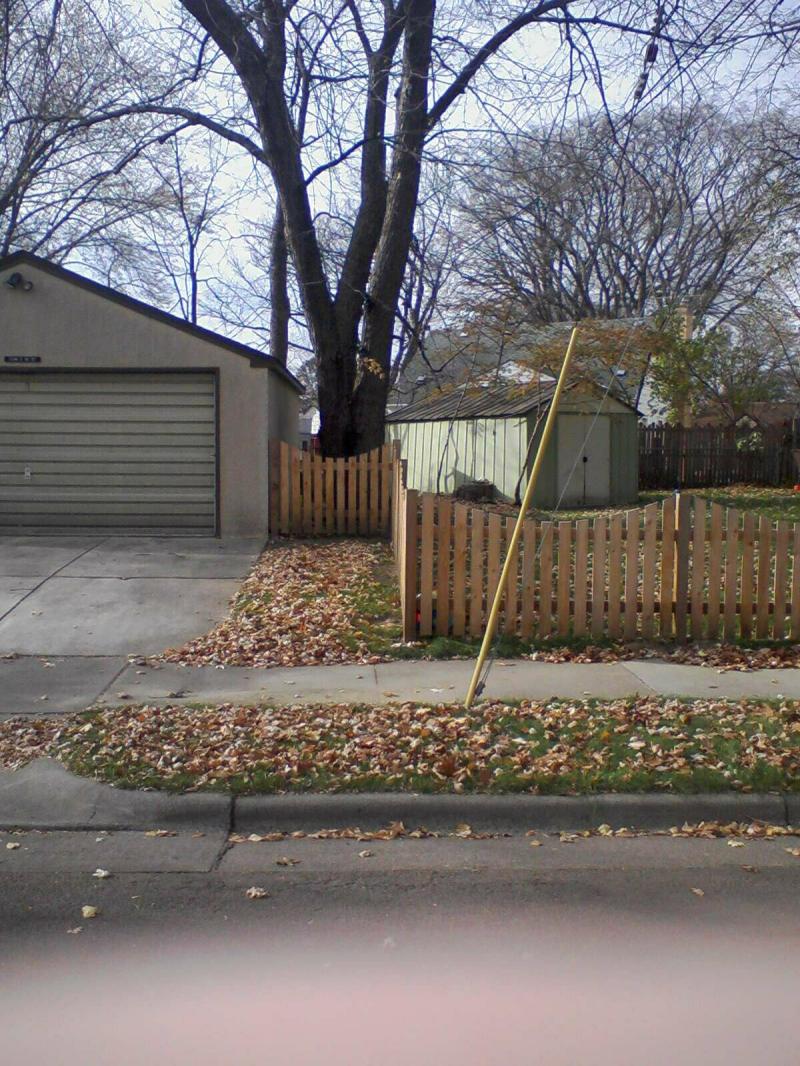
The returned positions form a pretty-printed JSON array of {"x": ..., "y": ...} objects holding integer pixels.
[
  {"x": 256, "y": 357},
  {"x": 500, "y": 401}
]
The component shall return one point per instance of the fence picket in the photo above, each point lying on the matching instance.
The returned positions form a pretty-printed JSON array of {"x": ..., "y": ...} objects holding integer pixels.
[
  {"x": 649, "y": 568},
  {"x": 308, "y": 494},
  {"x": 351, "y": 496},
  {"x": 667, "y": 566},
  {"x": 528, "y": 577},
  {"x": 459, "y": 568},
  {"x": 374, "y": 490},
  {"x": 386, "y": 466},
  {"x": 363, "y": 493},
  {"x": 511, "y": 594},
  {"x": 615, "y": 576},
  {"x": 632, "y": 570},
  {"x": 317, "y": 510},
  {"x": 731, "y": 561},
  {"x": 443, "y": 533},
  {"x": 476, "y": 571},
  {"x": 599, "y": 526},
  {"x": 409, "y": 533},
  {"x": 697, "y": 587},
  {"x": 426, "y": 536},
  {"x": 495, "y": 547},
  {"x": 763, "y": 576},
  {"x": 545, "y": 620},
  {"x": 714, "y": 570},
  {"x": 748, "y": 576},
  {"x": 564, "y": 575},
  {"x": 683, "y": 534},
  {"x": 581, "y": 571},
  {"x": 285, "y": 489},
  {"x": 795, "y": 621},
  {"x": 781, "y": 573}
]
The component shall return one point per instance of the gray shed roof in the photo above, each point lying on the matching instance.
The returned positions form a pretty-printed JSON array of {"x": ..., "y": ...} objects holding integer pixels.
[{"x": 499, "y": 401}]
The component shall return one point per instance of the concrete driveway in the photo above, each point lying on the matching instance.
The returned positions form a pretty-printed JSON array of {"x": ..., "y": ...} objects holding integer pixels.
[{"x": 110, "y": 596}]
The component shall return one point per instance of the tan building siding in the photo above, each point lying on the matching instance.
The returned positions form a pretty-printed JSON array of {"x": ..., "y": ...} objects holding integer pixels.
[{"x": 68, "y": 326}]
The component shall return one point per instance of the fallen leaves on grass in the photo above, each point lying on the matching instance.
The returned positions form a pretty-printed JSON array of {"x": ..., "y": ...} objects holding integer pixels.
[
  {"x": 304, "y": 602},
  {"x": 537, "y": 746}
]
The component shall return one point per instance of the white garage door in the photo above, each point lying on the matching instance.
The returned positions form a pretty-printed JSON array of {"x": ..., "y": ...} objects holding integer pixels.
[{"x": 111, "y": 452}]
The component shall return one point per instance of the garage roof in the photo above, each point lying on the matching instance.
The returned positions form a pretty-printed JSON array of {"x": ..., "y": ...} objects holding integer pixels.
[
  {"x": 256, "y": 357},
  {"x": 476, "y": 401}
]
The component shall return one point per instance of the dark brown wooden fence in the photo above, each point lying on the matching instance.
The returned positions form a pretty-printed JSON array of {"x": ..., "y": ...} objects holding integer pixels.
[{"x": 673, "y": 457}]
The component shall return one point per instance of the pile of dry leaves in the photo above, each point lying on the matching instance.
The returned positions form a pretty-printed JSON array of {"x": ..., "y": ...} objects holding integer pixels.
[
  {"x": 719, "y": 656},
  {"x": 567, "y": 746},
  {"x": 303, "y": 603}
]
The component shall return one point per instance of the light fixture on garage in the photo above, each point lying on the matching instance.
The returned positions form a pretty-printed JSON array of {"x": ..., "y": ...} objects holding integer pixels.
[{"x": 16, "y": 281}]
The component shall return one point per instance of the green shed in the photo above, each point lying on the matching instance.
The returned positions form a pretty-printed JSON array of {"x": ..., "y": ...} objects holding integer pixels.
[{"x": 489, "y": 433}]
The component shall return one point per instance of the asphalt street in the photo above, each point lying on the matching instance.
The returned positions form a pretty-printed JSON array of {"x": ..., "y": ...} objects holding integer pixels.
[
  {"x": 180, "y": 884},
  {"x": 610, "y": 951}
]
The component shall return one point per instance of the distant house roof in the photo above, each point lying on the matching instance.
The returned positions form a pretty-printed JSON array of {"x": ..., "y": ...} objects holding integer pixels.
[
  {"x": 500, "y": 401},
  {"x": 256, "y": 357},
  {"x": 453, "y": 355}
]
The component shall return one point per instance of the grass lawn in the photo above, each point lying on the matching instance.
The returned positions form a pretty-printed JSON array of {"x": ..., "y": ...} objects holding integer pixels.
[
  {"x": 565, "y": 747},
  {"x": 775, "y": 503}
]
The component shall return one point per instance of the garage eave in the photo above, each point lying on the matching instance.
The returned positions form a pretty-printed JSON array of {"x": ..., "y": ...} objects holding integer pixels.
[{"x": 256, "y": 358}]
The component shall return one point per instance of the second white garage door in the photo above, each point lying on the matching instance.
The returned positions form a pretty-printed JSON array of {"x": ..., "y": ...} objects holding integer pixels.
[{"x": 110, "y": 452}]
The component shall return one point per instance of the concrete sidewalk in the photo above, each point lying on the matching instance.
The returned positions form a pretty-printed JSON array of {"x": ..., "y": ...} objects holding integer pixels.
[{"x": 38, "y": 685}]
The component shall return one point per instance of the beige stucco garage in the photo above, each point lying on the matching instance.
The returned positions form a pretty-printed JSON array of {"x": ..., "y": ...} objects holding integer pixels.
[{"x": 116, "y": 417}]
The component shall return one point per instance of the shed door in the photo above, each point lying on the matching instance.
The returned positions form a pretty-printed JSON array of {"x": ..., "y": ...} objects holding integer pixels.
[
  {"x": 110, "y": 452},
  {"x": 590, "y": 482}
]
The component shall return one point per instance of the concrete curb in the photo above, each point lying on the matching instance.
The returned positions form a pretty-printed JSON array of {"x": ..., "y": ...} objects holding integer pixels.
[
  {"x": 44, "y": 795},
  {"x": 510, "y": 814}
]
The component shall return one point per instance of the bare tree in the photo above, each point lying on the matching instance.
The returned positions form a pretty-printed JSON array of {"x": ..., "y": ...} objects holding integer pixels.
[
  {"x": 173, "y": 252},
  {"x": 694, "y": 207},
  {"x": 364, "y": 89},
  {"x": 63, "y": 186}
]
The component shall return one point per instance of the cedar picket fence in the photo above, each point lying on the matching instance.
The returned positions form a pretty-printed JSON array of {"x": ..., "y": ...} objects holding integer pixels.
[
  {"x": 314, "y": 496},
  {"x": 684, "y": 568}
]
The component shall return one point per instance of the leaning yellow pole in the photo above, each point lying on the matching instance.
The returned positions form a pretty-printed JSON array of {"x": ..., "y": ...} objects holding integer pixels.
[{"x": 491, "y": 625}]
